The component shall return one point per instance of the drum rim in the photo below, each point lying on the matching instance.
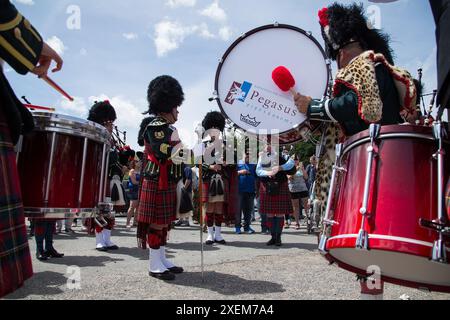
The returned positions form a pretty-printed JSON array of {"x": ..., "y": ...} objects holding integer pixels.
[
  {"x": 250, "y": 33},
  {"x": 387, "y": 132},
  {"x": 416, "y": 285},
  {"x": 94, "y": 131}
]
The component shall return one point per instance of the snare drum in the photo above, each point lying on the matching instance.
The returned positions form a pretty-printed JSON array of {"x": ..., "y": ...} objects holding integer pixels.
[
  {"x": 62, "y": 166},
  {"x": 246, "y": 93},
  {"x": 402, "y": 193}
]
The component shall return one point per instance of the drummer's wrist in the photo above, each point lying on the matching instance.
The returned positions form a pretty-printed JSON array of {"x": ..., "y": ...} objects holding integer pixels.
[{"x": 319, "y": 110}]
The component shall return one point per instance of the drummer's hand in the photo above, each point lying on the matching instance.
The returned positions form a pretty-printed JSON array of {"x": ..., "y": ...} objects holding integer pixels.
[
  {"x": 47, "y": 56},
  {"x": 276, "y": 170},
  {"x": 302, "y": 103},
  {"x": 216, "y": 168}
]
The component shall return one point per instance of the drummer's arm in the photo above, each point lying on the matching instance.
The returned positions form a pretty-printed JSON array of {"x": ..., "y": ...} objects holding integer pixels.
[
  {"x": 260, "y": 171},
  {"x": 159, "y": 143},
  {"x": 20, "y": 44},
  {"x": 339, "y": 109}
]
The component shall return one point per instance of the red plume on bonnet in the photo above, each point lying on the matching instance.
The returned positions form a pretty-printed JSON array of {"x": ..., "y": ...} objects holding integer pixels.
[{"x": 283, "y": 78}]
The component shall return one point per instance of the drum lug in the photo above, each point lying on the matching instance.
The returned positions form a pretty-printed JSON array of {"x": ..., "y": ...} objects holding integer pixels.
[
  {"x": 323, "y": 245},
  {"x": 330, "y": 222},
  {"x": 340, "y": 169},
  {"x": 439, "y": 252},
  {"x": 362, "y": 242}
]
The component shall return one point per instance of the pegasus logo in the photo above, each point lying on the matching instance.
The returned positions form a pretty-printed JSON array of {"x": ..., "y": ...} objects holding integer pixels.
[{"x": 238, "y": 92}]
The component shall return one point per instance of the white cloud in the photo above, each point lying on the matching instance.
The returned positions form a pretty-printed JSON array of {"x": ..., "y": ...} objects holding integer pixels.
[
  {"x": 225, "y": 33},
  {"x": 195, "y": 107},
  {"x": 203, "y": 31},
  {"x": 77, "y": 108},
  {"x": 83, "y": 52},
  {"x": 56, "y": 44},
  {"x": 130, "y": 36},
  {"x": 169, "y": 35},
  {"x": 25, "y": 2},
  {"x": 181, "y": 3},
  {"x": 215, "y": 12}
]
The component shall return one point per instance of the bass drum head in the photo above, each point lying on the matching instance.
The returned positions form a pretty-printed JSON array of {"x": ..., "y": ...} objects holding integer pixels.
[
  {"x": 402, "y": 269},
  {"x": 246, "y": 92}
]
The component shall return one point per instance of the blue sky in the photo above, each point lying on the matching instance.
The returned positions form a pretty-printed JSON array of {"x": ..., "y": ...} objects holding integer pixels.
[{"x": 122, "y": 45}]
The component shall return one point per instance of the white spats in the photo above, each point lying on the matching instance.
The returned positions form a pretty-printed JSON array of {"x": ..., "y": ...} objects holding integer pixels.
[
  {"x": 99, "y": 239},
  {"x": 218, "y": 234},
  {"x": 210, "y": 234},
  {"x": 156, "y": 264},
  {"x": 166, "y": 263},
  {"x": 107, "y": 238}
]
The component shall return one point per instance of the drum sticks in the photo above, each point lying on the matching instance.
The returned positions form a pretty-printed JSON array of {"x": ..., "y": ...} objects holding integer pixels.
[
  {"x": 33, "y": 107},
  {"x": 56, "y": 87}
]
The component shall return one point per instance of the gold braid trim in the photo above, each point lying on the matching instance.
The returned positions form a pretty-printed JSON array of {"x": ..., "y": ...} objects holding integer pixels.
[
  {"x": 12, "y": 24},
  {"x": 30, "y": 28},
  {"x": 16, "y": 54}
]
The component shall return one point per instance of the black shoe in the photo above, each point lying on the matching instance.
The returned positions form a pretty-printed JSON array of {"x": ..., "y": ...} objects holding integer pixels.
[
  {"x": 176, "y": 270},
  {"x": 278, "y": 242},
  {"x": 222, "y": 242},
  {"x": 54, "y": 254},
  {"x": 165, "y": 276},
  {"x": 41, "y": 256},
  {"x": 209, "y": 243},
  {"x": 272, "y": 241},
  {"x": 102, "y": 249},
  {"x": 114, "y": 247}
]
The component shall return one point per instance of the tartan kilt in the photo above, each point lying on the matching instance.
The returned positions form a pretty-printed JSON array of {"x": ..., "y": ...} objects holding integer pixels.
[
  {"x": 157, "y": 206},
  {"x": 280, "y": 204},
  {"x": 15, "y": 259}
]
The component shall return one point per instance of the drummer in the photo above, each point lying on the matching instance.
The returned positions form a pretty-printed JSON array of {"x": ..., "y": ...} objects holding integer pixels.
[
  {"x": 366, "y": 85},
  {"x": 365, "y": 90},
  {"x": 104, "y": 114},
  {"x": 35, "y": 57}
]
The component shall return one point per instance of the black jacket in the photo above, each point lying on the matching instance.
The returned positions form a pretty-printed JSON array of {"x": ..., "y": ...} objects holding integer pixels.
[
  {"x": 344, "y": 108},
  {"x": 20, "y": 46}
]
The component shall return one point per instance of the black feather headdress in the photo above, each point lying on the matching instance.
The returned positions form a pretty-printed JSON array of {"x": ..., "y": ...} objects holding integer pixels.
[{"x": 342, "y": 25}]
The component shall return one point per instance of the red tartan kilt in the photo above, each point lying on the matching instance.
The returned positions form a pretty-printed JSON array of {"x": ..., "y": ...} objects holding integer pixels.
[
  {"x": 157, "y": 206},
  {"x": 280, "y": 204},
  {"x": 15, "y": 259}
]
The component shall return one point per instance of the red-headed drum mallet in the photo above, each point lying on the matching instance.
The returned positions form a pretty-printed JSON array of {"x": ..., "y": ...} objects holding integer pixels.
[{"x": 284, "y": 80}]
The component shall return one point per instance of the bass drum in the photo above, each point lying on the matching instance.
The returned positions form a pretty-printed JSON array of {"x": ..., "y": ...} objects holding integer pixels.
[{"x": 246, "y": 93}]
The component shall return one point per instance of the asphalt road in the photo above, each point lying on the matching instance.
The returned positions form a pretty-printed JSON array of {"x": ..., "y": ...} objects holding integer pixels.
[{"x": 245, "y": 269}]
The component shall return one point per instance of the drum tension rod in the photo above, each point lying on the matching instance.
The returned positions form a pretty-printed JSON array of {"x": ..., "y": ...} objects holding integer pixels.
[
  {"x": 327, "y": 222},
  {"x": 440, "y": 225},
  {"x": 362, "y": 241}
]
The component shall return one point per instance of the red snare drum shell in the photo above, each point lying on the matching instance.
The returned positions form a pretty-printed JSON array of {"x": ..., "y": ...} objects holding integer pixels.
[
  {"x": 404, "y": 190},
  {"x": 34, "y": 163}
]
